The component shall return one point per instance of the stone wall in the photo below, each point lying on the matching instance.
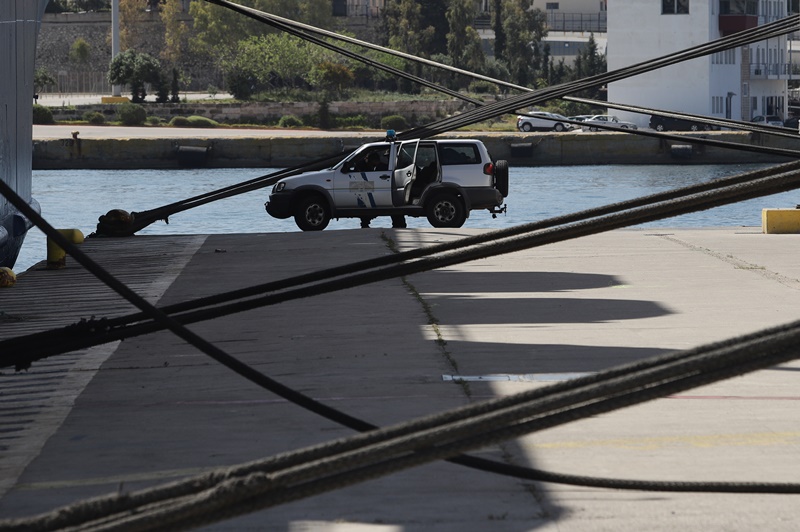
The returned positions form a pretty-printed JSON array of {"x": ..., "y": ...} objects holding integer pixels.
[
  {"x": 414, "y": 111},
  {"x": 278, "y": 151},
  {"x": 60, "y": 31}
]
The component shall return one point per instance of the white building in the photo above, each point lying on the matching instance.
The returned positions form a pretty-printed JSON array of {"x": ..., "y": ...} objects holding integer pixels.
[{"x": 740, "y": 83}]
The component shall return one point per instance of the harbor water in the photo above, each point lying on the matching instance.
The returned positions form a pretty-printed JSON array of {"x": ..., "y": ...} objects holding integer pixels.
[{"x": 76, "y": 198}]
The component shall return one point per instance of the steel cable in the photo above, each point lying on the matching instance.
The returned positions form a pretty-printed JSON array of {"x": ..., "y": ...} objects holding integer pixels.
[
  {"x": 734, "y": 197},
  {"x": 358, "y": 458},
  {"x": 144, "y": 218},
  {"x": 21, "y": 351}
]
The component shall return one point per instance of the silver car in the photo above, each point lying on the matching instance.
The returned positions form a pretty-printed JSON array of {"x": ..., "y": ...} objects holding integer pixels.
[{"x": 606, "y": 120}]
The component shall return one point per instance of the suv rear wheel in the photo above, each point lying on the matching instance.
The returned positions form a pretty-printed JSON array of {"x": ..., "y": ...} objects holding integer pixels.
[
  {"x": 501, "y": 177},
  {"x": 445, "y": 210},
  {"x": 312, "y": 214}
]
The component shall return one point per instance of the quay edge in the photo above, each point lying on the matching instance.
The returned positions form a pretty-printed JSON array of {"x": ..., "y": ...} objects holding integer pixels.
[{"x": 256, "y": 149}]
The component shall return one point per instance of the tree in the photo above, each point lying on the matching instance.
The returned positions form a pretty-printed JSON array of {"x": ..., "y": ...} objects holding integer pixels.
[
  {"x": 41, "y": 79},
  {"x": 591, "y": 62},
  {"x": 463, "y": 41},
  {"x": 269, "y": 61},
  {"x": 132, "y": 33},
  {"x": 433, "y": 12},
  {"x": 218, "y": 30},
  {"x": 175, "y": 31},
  {"x": 135, "y": 69},
  {"x": 405, "y": 31},
  {"x": 79, "y": 52},
  {"x": 499, "y": 32},
  {"x": 523, "y": 27},
  {"x": 332, "y": 78}
]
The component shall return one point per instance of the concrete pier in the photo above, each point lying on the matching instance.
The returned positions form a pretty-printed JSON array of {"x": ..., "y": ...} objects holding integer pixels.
[{"x": 151, "y": 409}]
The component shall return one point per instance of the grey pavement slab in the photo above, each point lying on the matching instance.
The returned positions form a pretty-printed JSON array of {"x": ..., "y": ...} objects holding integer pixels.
[{"x": 152, "y": 409}]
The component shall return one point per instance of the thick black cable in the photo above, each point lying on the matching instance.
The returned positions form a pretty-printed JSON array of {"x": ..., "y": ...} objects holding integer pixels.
[
  {"x": 775, "y": 183},
  {"x": 700, "y": 119},
  {"x": 23, "y": 350},
  {"x": 528, "y": 472},
  {"x": 774, "y": 29},
  {"x": 655, "y": 377},
  {"x": 144, "y": 218}
]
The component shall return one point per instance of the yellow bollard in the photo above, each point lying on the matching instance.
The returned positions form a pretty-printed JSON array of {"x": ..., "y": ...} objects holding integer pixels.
[
  {"x": 56, "y": 256},
  {"x": 780, "y": 221},
  {"x": 7, "y": 277}
]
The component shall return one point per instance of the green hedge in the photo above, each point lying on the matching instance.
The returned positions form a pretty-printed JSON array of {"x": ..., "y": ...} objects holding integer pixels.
[
  {"x": 131, "y": 114},
  {"x": 42, "y": 115}
]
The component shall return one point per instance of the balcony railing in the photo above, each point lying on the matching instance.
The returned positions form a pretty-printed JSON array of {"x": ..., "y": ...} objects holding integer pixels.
[
  {"x": 770, "y": 71},
  {"x": 580, "y": 22}
]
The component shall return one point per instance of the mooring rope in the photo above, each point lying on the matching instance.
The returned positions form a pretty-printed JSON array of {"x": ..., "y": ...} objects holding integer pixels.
[
  {"x": 22, "y": 351},
  {"x": 700, "y": 119},
  {"x": 687, "y": 204},
  {"x": 255, "y": 485},
  {"x": 381, "y": 464},
  {"x": 139, "y": 220}
]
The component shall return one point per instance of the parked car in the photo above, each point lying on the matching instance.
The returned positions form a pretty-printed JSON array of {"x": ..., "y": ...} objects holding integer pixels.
[
  {"x": 791, "y": 122},
  {"x": 664, "y": 123},
  {"x": 579, "y": 118},
  {"x": 769, "y": 120},
  {"x": 543, "y": 121},
  {"x": 441, "y": 179},
  {"x": 606, "y": 120}
]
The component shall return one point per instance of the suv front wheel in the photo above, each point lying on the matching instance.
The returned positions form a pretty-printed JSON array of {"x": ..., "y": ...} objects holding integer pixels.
[
  {"x": 445, "y": 210},
  {"x": 312, "y": 214}
]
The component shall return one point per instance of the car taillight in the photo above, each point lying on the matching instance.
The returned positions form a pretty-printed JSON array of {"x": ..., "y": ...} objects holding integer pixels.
[{"x": 488, "y": 168}]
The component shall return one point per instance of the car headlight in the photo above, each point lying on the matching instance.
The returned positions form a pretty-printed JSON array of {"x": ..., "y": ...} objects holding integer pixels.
[{"x": 278, "y": 187}]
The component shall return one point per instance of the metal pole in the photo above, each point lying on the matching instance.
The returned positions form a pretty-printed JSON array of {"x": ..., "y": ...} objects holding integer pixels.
[{"x": 116, "y": 90}]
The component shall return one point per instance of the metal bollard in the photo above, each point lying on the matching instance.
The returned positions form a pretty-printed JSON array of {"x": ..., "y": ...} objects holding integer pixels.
[{"x": 56, "y": 256}]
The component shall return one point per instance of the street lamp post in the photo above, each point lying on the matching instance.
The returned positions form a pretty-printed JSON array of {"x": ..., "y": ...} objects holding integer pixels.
[{"x": 116, "y": 90}]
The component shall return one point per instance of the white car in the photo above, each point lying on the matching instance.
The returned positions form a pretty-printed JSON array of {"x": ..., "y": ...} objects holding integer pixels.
[
  {"x": 606, "y": 120},
  {"x": 770, "y": 120},
  {"x": 543, "y": 121},
  {"x": 441, "y": 179}
]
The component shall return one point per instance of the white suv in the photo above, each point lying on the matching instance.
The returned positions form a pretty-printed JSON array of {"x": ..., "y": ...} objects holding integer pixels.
[{"x": 440, "y": 179}]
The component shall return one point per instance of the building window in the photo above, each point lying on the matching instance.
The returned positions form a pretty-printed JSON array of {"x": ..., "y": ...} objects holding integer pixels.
[{"x": 674, "y": 7}]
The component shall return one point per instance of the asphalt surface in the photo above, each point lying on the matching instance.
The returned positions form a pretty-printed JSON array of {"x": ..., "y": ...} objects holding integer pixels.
[{"x": 152, "y": 409}]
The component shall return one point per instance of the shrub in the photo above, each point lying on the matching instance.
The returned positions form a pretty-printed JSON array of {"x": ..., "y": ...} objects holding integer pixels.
[
  {"x": 179, "y": 121},
  {"x": 351, "y": 121},
  {"x": 202, "y": 121},
  {"x": 394, "y": 122},
  {"x": 42, "y": 114},
  {"x": 131, "y": 114},
  {"x": 154, "y": 121},
  {"x": 93, "y": 117},
  {"x": 483, "y": 87},
  {"x": 193, "y": 121},
  {"x": 290, "y": 121}
]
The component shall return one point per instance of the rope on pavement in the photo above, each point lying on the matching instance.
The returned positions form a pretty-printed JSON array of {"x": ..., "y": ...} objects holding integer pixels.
[
  {"x": 22, "y": 351},
  {"x": 228, "y": 492},
  {"x": 765, "y": 185}
]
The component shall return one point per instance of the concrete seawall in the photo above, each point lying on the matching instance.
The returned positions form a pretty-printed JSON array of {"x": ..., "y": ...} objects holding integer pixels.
[{"x": 520, "y": 149}]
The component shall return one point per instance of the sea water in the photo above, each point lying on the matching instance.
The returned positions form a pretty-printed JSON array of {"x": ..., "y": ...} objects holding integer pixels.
[{"x": 76, "y": 198}]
